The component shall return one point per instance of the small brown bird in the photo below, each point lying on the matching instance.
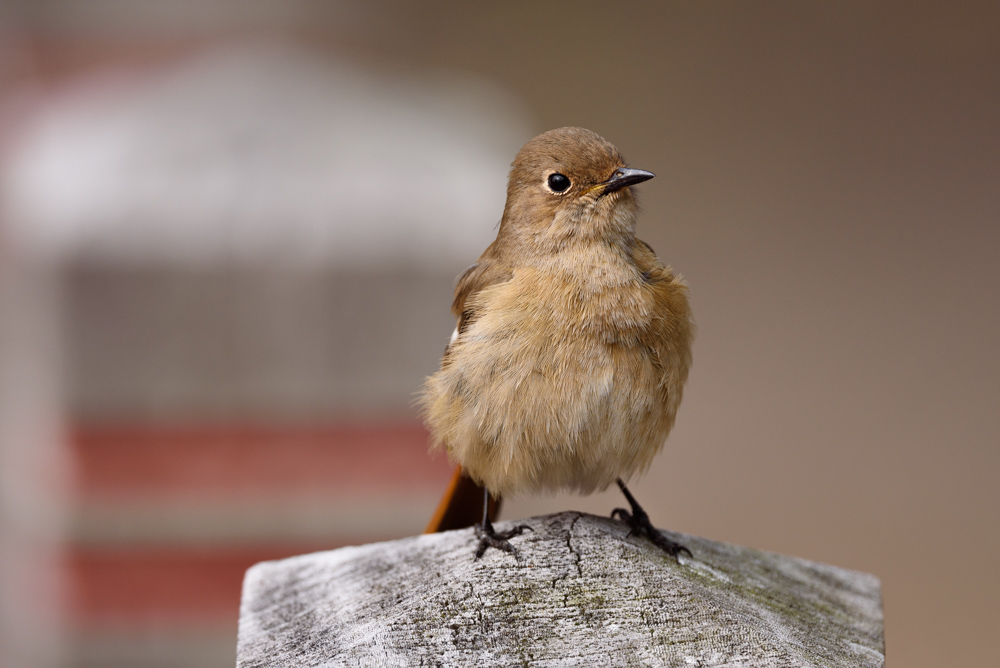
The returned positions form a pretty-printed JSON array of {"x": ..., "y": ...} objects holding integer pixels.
[{"x": 572, "y": 346}]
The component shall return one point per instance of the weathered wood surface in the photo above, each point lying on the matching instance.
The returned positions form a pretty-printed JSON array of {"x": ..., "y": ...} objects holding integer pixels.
[{"x": 584, "y": 593}]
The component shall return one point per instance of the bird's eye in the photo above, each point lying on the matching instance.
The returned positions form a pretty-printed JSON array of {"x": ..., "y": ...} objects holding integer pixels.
[{"x": 558, "y": 183}]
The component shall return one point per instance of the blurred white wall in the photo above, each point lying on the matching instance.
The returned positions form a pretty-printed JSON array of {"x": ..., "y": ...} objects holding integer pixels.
[{"x": 263, "y": 153}]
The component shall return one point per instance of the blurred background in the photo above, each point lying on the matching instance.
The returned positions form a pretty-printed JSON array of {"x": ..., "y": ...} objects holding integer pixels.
[{"x": 229, "y": 233}]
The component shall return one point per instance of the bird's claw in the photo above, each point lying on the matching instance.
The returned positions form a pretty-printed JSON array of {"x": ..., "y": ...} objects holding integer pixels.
[
  {"x": 498, "y": 539},
  {"x": 626, "y": 517},
  {"x": 638, "y": 522}
]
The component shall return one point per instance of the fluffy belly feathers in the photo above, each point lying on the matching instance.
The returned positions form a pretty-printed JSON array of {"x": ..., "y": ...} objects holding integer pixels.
[{"x": 533, "y": 396}]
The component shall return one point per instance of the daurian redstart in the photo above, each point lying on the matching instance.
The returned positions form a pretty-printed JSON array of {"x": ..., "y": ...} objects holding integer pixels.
[{"x": 572, "y": 346}]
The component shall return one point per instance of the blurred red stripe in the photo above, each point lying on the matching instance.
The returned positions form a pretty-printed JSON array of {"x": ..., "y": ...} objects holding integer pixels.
[
  {"x": 173, "y": 586},
  {"x": 138, "y": 586},
  {"x": 221, "y": 460}
]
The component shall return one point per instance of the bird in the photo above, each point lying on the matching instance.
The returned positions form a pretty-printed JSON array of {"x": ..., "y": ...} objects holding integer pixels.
[{"x": 571, "y": 349}]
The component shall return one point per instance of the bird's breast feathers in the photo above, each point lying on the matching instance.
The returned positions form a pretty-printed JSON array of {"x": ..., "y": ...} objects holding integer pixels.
[{"x": 563, "y": 383}]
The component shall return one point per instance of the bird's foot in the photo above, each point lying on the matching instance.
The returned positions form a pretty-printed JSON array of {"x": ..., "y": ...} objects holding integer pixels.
[
  {"x": 639, "y": 524},
  {"x": 500, "y": 540}
]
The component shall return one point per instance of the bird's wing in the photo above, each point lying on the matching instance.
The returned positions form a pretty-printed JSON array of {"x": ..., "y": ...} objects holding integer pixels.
[
  {"x": 462, "y": 504},
  {"x": 672, "y": 323},
  {"x": 484, "y": 273},
  {"x": 645, "y": 258}
]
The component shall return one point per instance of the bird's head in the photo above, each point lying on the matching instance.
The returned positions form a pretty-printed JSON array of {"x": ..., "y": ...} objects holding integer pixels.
[{"x": 570, "y": 183}]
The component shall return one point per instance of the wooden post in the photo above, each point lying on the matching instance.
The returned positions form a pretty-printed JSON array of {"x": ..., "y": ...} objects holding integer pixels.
[{"x": 583, "y": 593}]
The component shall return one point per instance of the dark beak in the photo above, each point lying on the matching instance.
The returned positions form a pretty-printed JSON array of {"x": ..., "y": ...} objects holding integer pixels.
[{"x": 624, "y": 177}]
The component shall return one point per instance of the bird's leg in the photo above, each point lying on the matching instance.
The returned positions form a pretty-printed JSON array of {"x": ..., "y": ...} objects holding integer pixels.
[
  {"x": 488, "y": 536},
  {"x": 639, "y": 522}
]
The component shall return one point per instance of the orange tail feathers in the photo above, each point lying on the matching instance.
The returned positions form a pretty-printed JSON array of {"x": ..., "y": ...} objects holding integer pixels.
[{"x": 462, "y": 505}]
